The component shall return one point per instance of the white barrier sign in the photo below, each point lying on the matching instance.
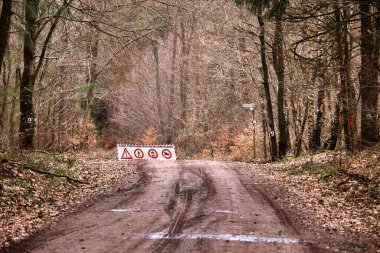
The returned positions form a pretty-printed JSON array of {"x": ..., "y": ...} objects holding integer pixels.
[{"x": 127, "y": 152}]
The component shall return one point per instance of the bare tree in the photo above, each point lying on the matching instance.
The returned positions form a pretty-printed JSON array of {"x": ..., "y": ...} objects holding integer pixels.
[
  {"x": 265, "y": 74},
  {"x": 31, "y": 69},
  {"x": 369, "y": 84},
  {"x": 171, "y": 121},
  {"x": 5, "y": 24}
]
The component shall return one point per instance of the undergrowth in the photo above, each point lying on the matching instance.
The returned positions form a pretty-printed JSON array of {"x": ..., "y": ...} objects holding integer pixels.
[
  {"x": 319, "y": 170},
  {"x": 356, "y": 176},
  {"x": 54, "y": 163}
]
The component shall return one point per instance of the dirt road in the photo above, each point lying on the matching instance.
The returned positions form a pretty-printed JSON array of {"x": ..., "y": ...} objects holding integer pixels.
[{"x": 179, "y": 206}]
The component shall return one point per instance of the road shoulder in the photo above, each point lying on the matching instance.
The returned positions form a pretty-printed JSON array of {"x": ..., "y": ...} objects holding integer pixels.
[
  {"x": 40, "y": 201},
  {"x": 316, "y": 212}
]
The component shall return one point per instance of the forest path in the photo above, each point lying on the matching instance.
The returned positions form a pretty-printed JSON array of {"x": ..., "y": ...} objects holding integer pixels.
[{"x": 179, "y": 206}]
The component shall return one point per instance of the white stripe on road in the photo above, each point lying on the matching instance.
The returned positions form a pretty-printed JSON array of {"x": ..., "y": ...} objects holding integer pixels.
[
  {"x": 224, "y": 237},
  {"x": 225, "y": 211},
  {"x": 125, "y": 210}
]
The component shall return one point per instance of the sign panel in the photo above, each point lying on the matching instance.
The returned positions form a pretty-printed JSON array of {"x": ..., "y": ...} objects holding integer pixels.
[
  {"x": 167, "y": 153},
  {"x": 125, "y": 155},
  {"x": 250, "y": 106},
  {"x": 138, "y": 153},
  {"x": 127, "y": 152}
]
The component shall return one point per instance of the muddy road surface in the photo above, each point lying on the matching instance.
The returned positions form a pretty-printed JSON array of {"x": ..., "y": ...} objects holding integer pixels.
[{"x": 177, "y": 206}]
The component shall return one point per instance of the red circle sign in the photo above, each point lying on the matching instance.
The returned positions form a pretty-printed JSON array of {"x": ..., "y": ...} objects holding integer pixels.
[
  {"x": 138, "y": 153},
  {"x": 153, "y": 153},
  {"x": 167, "y": 153}
]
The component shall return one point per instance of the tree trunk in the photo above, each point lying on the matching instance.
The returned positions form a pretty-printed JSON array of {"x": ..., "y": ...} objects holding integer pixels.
[
  {"x": 347, "y": 89},
  {"x": 279, "y": 67},
  {"x": 62, "y": 127},
  {"x": 170, "y": 120},
  {"x": 368, "y": 77},
  {"x": 299, "y": 116},
  {"x": 4, "y": 104},
  {"x": 315, "y": 133},
  {"x": 377, "y": 37},
  {"x": 158, "y": 86},
  {"x": 331, "y": 143},
  {"x": 298, "y": 142},
  {"x": 30, "y": 71},
  {"x": 91, "y": 76},
  {"x": 184, "y": 74},
  {"x": 265, "y": 75},
  {"x": 315, "y": 138},
  {"x": 28, "y": 76},
  {"x": 184, "y": 70},
  {"x": 264, "y": 129},
  {"x": 5, "y": 24},
  {"x": 12, "y": 113},
  {"x": 6, "y": 81}
]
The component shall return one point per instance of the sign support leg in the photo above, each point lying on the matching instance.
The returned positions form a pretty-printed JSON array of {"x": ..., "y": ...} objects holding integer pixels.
[{"x": 254, "y": 134}]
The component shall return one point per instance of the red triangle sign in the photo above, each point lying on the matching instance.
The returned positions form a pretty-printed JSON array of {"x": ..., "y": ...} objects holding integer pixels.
[{"x": 126, "y": 155}]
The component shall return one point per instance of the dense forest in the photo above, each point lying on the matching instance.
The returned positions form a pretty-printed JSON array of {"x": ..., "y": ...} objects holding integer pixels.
[
  {"x": 76, "y": 74},
  {"x": 272, "y": 105}
]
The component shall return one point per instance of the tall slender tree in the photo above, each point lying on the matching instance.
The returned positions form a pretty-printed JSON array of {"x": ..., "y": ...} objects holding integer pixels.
[
  {"x": 344, "y": 61},
  {"x": 276, "y": 9},
  {"x": 265, "y": 75},
  {"x": 158, "y": 85},
  {"x": 5, "y": 24},
  {"x": 279, "y": 67},
  {"x": 31, "y": 68},
  {"x": 171, "y": 121},
  {"x": 28, "y": 75},
  {"x": 184, "y": 67},
  {"x": 368, "y": 77}
]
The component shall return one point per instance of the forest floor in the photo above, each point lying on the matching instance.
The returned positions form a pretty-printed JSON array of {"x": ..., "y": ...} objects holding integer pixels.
[
  {"x": 38, "y": 188},
  {"x": 327, "y": 196},
  {"x": 333, "y": 196}
]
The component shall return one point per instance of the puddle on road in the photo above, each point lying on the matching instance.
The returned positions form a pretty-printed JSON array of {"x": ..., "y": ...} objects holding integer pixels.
[{"x": 223, "y": 237}]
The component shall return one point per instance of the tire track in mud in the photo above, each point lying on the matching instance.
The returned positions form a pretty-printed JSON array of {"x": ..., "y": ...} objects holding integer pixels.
[
  {"x": 96, "y": 205},
  {"x": 182, "y": 206},
  {"x": 254, "y": 191},
  {"x": 133, "y": 192},
  {"x": 257, "y": 191},
  {"x": 113, "y": 200},
  {"x": 179, "y": 206}
]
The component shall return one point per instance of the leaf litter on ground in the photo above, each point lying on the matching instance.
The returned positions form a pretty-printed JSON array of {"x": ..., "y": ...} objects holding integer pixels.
[
  {"x": 36, "y": 188},
  {"x": 330, "y": 192}
]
